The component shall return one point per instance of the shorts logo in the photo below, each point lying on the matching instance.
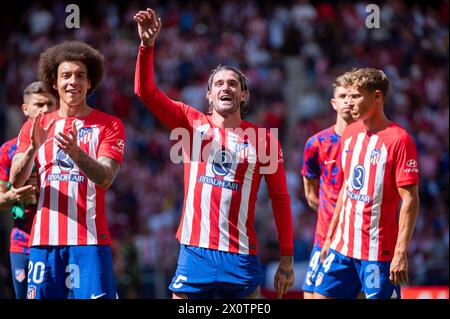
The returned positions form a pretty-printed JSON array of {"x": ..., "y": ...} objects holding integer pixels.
[
  {"x": 308, "y": 278},
  {"x": 19, "y": 274},
  {"x": 358, "y": 177},
  {"x": 319, "y": 279},
  {"x": 31, "y": 292},
  {"x": 94, "y": 296},
  {"x": 177, "y": 284}
]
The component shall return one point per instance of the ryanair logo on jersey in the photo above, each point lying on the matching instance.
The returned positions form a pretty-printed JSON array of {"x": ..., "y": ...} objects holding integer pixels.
[
  {"x": 375, "y": 156},
  {"x": 85, "y": 134}
]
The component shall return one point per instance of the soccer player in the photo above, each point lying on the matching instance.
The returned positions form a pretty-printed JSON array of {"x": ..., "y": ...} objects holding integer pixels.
[
  {"x": 21, "y": 202},
  {"x": 223, "y": 170},
  {"x": 77, "y": 151},
  {"x": 322, "y": 175},
  {"x": 367, "y": 242}
]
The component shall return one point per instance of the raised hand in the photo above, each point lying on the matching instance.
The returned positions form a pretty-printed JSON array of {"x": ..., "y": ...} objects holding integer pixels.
[
  {"x": 38, "y": 133},
  {"x": 148, "y": 26},
  {"x": 68, "y": 143}
]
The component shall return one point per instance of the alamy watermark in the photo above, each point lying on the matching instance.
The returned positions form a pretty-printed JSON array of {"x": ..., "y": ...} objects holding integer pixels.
[
  {"x": 73, "y": 19},
  {"x": 206, "y": 144},
  {"x": 373, "y": 19}
]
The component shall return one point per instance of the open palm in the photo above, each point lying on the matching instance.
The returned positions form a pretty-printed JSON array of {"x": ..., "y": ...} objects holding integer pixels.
[
  {"x": 39, "y": 133},
  {"x": 148, "y": 26}
]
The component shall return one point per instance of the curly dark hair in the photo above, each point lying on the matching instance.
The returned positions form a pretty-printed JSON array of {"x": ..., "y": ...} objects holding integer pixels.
[{"x": 51, "y": 58}]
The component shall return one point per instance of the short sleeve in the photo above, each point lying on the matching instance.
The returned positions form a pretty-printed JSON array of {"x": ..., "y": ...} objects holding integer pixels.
[
  {"x": 310, "y": 167},
  {"x": 406, "y": 165},
  {"x": 112, "y": 144}
]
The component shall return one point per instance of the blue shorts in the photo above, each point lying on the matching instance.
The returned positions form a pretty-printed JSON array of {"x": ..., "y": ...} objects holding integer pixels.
[
  {"x": 311, "y": 272},
  {"x": 342, "y": 277},
  {"x": 78, "y": 272},
  {"x": 207, "y": 273},
  {"x": 19, "y": 270}
]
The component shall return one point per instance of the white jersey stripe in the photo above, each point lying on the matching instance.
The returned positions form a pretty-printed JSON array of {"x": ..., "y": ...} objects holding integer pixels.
[
  {"x": 359, "y": 207},
  {"x": 53, "y": 235},
  {"x": 226, "y": 196},
  {"x": 353, "y": 164},
  {"x": 206, "y": 195},
  {"x": 243, "y": 208},
  {"x": 91, "y": 193},
  {"x": 195, "y": 160},
  {"x": 37, "y": 223},
  {"x": 376, "y": 208}
]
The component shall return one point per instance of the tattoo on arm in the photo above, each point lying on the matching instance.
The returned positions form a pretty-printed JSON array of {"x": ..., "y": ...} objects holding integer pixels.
[{"x": 102, "y": 172}]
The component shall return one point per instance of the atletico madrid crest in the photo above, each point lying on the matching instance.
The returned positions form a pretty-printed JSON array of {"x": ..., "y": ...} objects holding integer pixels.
[
  {"x": 375, "y": 156},
  {"x": 242, "y": 150},
  {"x": 85, "y": 134},
  {"x": 19, "y": 274}
]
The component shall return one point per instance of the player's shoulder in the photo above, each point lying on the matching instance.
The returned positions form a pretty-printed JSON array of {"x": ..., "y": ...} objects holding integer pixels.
[
  {"x": 101, "y": 117},
  {"x": 396, "y": 133},
  {"x": 9, "y": 144},
  {"x": 327, "y": 134},
  {"x": 353, "y": 128}
]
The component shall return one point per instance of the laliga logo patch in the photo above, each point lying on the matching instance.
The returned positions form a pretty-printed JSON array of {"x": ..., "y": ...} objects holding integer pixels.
[
  {"x": 65, "y": 163},
  {"x": 222, "y": 163},
  {"x": 358, "y": 177}
]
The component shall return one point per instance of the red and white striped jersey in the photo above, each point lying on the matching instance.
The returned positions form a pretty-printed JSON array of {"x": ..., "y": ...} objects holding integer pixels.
[
  {"x": 71, "y": 208},
  {"x": 375, "y": 165},
  {"x": 222, "y": 173}
]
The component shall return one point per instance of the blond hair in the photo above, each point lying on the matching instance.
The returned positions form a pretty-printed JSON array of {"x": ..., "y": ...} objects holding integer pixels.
[{"x": 371, "y": 80}]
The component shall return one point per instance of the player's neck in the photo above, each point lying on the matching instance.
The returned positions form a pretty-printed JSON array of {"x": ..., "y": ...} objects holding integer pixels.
[
  {"x": 226, "y": 121},
  {"x": 340, "y": 125},
  {"x": 79, "y": 110},
  {"x": 376, "y": 123}
]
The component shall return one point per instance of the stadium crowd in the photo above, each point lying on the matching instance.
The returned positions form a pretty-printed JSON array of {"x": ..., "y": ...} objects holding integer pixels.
[{"x": 290, "y": 52}]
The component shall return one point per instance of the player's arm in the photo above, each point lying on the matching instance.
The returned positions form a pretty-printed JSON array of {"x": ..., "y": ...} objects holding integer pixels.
[
  {"x": 32, "y": 136},
  {"x": 311, "y": 186},
  {"x": 332, "y": 227},
  {"x": 407, "y": 220},
  {"x": 281, "y": 205},
  {"x": 169, "y": 112}
]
